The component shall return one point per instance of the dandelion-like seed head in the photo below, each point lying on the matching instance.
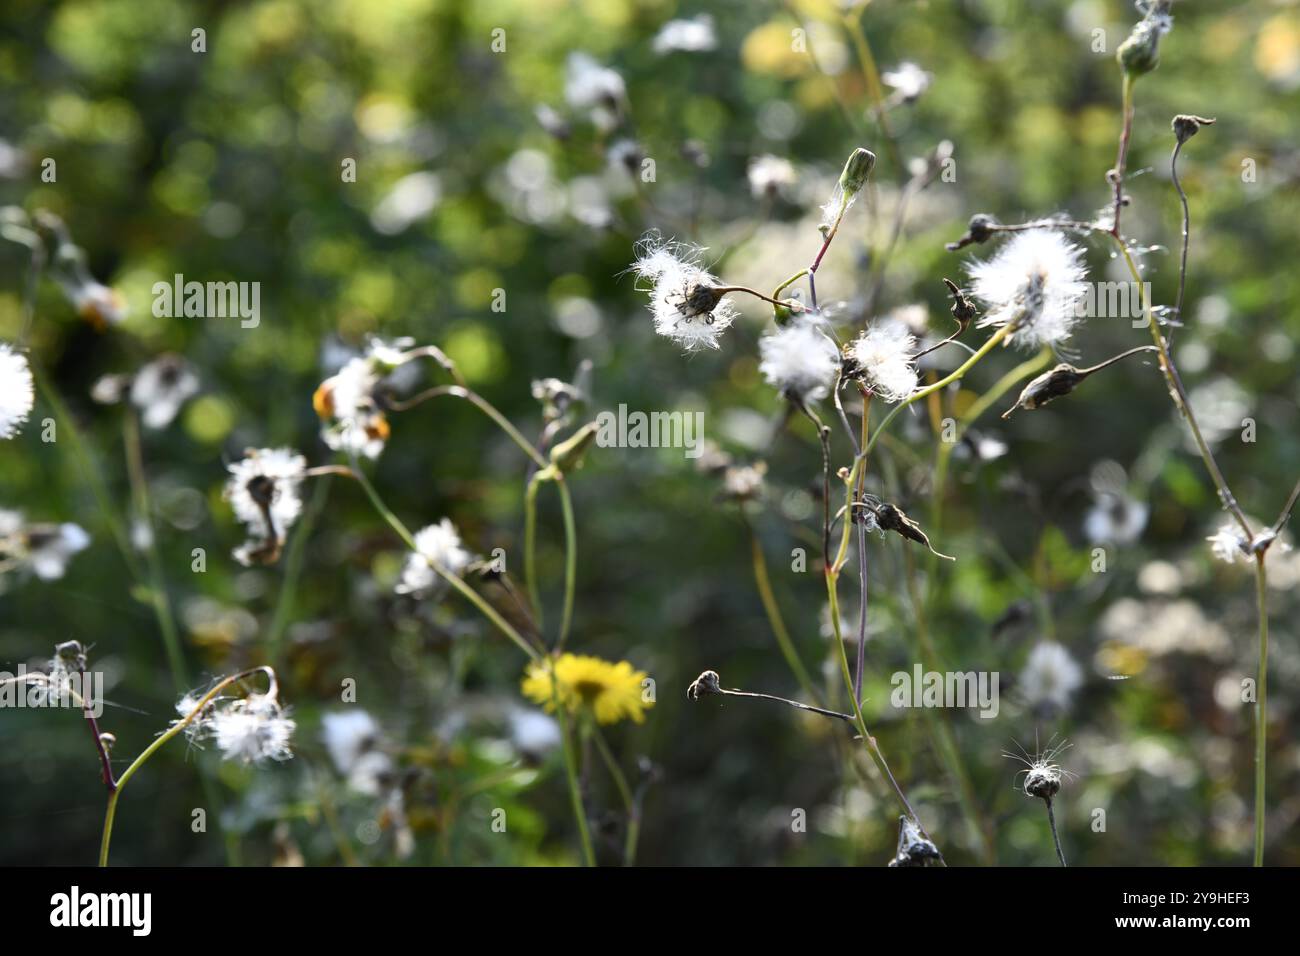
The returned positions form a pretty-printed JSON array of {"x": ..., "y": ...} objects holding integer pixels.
[
  {"x": 249, "y": 729},
  {"x": 684, "y": 298},
  {"x": 881, "y": 358},
  {"x": 263, "y": 491},
  {"x": 16, "y": 392},
  {"x": 799, "y": 361},
  {"x": 438, "y": 545},
  {"x": 609, "y": 692},
  {"x": 347, "y": 402},
  {"x": 44, "y": 549},
  {"x": 1042, "y": 776},
  {"x": 1034, "y": 285}
]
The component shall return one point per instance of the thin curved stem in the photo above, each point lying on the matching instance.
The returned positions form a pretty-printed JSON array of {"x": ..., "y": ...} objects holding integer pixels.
[
  {"x": 1261, "y": 707},
  {"x": 570, "y": 561},
  {"x": 111, "y": 811},
  {"x": 455, "y": 580},
  {"x": 625, "y": 793},
  {"x": 1056, "y": 838}
]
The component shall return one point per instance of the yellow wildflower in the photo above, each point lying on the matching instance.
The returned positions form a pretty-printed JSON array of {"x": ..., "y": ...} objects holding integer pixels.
[{"x": 609, "y": 691}]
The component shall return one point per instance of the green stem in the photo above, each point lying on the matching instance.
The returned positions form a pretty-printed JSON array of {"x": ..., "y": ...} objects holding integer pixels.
[
  {"x": 293, "y": 565},
  {"x": 1179, "y": 395},
  {"x": 157, "y": 581},
  {"x": 530, "y": 546},
  {"x": 570, "y": 561},
  {"x": 954, "y": 376},
  {"x": 624, "y": 791},
  {"x": 571, "y": 771},
  {"x": 1261, "y": 706},
  {"x": 773, "y": 611},
  {"x": 157, "y": 745},
  {"x": 453, "y": 579}
]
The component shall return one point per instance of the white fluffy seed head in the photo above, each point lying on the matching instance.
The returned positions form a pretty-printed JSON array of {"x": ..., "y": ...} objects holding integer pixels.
[
  {"x": 770, "y": 176},
  {"x": 266, "y": 482},
  {"x": 882, "y": 358},
  {"x": 1229, "y": 544},
  {"x": 253, "y": 729},
  {"x": 1035, "y": 284},
  {"x": 683, "y": 302},
  {"x": 16, "y": 392},
  {"x": 799, "y": 361},
  {"x": 438, "y": 544}
]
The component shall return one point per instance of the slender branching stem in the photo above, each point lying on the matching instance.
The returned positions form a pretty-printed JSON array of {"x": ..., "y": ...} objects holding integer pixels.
[
  {"x": 454, "y": 580},
  {"x": 630, "y": 804},
  {"x": 1186, "y": 235},
  {"x": 570, "y": 561},
  {"x": 116, "y": 793}
]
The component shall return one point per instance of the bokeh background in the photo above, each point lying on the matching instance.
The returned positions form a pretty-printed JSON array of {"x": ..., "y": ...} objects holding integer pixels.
[{"x": 226, "y": 165}]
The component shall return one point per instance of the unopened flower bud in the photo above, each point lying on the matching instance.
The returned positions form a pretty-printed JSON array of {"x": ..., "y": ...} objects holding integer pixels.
[
  {"x": 568, "y": 454},
  {"x": 856, "y": 171},
  {"x": 706, "y": 683}
]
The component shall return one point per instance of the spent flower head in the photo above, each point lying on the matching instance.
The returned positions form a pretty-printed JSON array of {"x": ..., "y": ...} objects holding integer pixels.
[
  {"x": 881, "y": 358},
  {"x": 799, "y": 361},
  {"x": 1050, "y": 677},
  {"x": 684, "y": 298},
  {"x": 436, "y": 546},
  {"x": 263, "y": 491},
  {"x": 160, "y": 388},
  {"x": 1033, "y": 285}
]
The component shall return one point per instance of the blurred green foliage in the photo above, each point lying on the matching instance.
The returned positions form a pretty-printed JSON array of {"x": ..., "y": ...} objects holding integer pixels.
[{"x": 227, "y": 165}]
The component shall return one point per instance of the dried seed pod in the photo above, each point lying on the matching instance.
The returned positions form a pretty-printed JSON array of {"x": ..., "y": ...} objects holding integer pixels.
[
  {"x": 1062, "y": 380},
  {"x": 913, "y": 847},
  {"x": 963, "y": 310},
  {"x": 1185, "y": 126},
  {"x": 1052, "y": 384},
  {"x": 892, "y": 518},
  {"x": 706, "y": 683}
]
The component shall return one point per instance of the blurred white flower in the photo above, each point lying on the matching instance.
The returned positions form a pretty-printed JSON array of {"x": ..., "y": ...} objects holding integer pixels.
[
  {"x": 16, "y": 393},
  {"x": 263, "y": 491},
  {"x": 44, "y": 549},
  {"x": 411, "y": 199},
  {"x": 160, "y": 388},
  {"x": 689, "y": 36},
  {"x": 907, "y": 80},
  {"x": 684, "y": 300},
  {"x": 1229, "y": 544},
  {"x": 96, "y": 302},
  {"x": 1050, "y": 677},
  {"x": 534, "y": 733},
  {"x": 438, "y": 544},
  {"x": 346, "y": 402},
  {"x": 882, "y": 358},
  {"x": 799, "y": 361},
  {"x": 251, "y": 729},
  {"x": 1034, "y": 285},
  {"x": 1115, "y": 518},
  {"x": 353, "y": 739},
  {"x": 590, "y": 86},
  {"x": 770, "y": 176}
]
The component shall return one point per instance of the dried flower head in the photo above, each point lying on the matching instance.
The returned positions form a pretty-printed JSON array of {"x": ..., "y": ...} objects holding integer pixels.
[
  {"x": 684, "y": 299},
  {"x": 437, "y": 546},
  {"x": 1033, "y": 285},
  {"x": 590, "y": 86},
  {"x": 1043, "y": 776},
  {"x": 16, "y": 392},
  {"x": 1229, "y": 544},
  {"x": 353, "y": 739},
  {"x": 350, "y": 404},
  {"x": 263, "y": 491},
  {"x": 247, "y": 729},
  {"x": 881, "y": 359},
  {"x": 800, "y": 361},
  {"x": 914, "y": 848}
]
